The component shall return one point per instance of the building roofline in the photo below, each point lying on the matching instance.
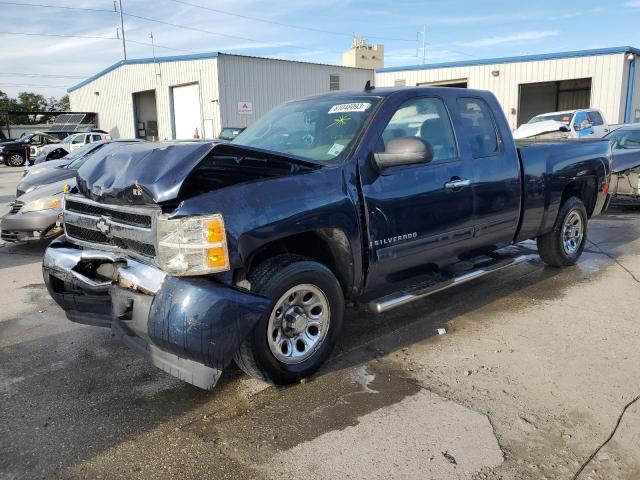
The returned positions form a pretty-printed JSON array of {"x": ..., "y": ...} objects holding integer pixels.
[
  {"x": 182, "y": 58},
  {"x": 521, "y": 58},
  {"x": 137, "y": 61}
]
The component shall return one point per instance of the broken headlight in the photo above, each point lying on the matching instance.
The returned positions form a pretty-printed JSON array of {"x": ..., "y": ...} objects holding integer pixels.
[{"x": 192, "y": 245}]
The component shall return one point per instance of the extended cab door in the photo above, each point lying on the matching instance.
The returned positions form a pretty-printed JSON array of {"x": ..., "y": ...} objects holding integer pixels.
[
  {"x": 488, "y": 148},
  {"x": 417, "y": 213},
  {"x": 600, "y": 128}
]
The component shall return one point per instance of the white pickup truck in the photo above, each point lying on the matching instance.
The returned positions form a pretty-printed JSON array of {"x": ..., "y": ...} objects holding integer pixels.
[{"x": 585, "y": 123}]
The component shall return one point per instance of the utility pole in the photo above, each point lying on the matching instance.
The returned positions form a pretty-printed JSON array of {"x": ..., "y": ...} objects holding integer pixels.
[
  {"x": 153, "y": 53},
  {"x": 124, "y": 44},
  {"x": 423, "y": 33}
]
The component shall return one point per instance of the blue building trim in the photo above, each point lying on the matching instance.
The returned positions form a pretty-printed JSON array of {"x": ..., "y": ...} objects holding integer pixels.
[
  {"x": 137, "y": 61},
  {"x": 522, "y": 58},
  {"x": 630, "y": 86}
]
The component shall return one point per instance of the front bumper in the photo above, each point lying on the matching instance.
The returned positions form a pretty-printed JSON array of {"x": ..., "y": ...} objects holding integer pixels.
[
  {"x": 29, "y": 226},
  {"x": 189, "y": 327}
]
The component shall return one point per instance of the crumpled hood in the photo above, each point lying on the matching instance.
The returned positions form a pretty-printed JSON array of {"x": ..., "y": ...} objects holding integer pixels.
[
  {"x": 53, "y": 146},
  {"x": 145, "y": 173},
  {"x": 538, "y": 128}
]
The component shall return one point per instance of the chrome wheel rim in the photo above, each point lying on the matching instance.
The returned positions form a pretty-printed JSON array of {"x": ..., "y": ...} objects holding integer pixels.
[
  {"x": 15, "y": 160},
  {"x": 298, "y": 324},
  {"x": 572, "y": 233}
]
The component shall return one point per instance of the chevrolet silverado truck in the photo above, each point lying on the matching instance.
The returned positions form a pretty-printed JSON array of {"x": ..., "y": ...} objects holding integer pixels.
[{"x": 196, "y": 254}]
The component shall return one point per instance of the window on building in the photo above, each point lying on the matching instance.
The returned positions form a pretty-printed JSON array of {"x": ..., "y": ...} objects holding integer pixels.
[
  {"x": 478, "y": 127},
  {"x": 400, "y": 83},
  {"x": 425, "y": 118},
  {"x": 334, "y": 82}
]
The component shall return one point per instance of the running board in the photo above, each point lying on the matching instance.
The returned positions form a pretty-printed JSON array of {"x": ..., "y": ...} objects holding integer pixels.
[{"x": 417, "y": 292}]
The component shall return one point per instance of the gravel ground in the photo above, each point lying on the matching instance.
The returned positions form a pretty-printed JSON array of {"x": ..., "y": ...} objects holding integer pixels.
[{"x": 528, "y": 381}]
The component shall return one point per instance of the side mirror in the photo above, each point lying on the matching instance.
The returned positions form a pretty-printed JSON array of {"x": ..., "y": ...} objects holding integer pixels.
[
  {"x": 404, "y": 151},
  {"x": 565, "y": 128}
]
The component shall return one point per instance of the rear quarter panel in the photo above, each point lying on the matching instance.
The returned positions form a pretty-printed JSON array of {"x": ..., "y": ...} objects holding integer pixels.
[{"x": 548, "y": 169}]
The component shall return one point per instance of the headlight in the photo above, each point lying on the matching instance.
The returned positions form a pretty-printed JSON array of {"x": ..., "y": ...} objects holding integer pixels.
[
  {"x": 193, "y": 245},
  {"x": 44, "y": 203}
]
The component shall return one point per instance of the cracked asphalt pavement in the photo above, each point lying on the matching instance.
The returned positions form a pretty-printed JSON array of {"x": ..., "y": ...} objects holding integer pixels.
[{"x": 528, "y": 381}]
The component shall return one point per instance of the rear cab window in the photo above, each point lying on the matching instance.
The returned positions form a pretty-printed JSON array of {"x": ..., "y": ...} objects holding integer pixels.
[
  {"x": 595, "y": 118},
  {"x": 478, "y": 127}
]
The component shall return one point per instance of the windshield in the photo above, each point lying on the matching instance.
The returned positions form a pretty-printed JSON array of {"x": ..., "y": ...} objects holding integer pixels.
[
  {"x": 229, "y": 133},
  {"x": 25, "y": 137},
  {"x": 68, "y": 138},
  {"x": 319, "y": 130},
  {"x": 556, "y": 117},
  {"x": 82, "y": 154}
]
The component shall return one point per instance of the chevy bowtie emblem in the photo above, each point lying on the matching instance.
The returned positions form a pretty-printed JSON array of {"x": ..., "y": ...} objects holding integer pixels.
[
  {"x": 137, "y": 189},
  {"x": 103, "y": 226}
]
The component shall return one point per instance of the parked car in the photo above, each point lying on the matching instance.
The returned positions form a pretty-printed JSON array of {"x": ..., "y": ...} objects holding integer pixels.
[
  {"x": 15, "y": 153},
  {"x": 229, "y": 133},
  {"x": 195, "y": 254},
  {"x": 68, "y": 145},
  {"x": 572, "y": 123},
  {"x": 34, "y": 213},
  {"x": 625, "y": 146},
  {"x": 65, "y": 168}
]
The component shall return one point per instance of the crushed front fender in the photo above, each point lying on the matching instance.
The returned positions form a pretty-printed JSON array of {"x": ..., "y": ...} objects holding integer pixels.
[{"x": 202, "y": 320}]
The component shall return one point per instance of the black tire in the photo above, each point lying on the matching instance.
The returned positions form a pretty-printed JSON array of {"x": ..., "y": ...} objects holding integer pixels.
[
  {"x": 15, "y": 160},
  {"x": 551, "y": 246},
  {"x": 273, "y": 278}
]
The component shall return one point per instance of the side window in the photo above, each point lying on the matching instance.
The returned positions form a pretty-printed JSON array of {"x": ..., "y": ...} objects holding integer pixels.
[
  {"x": 581, "y": 119},
  {"x": 96, "y": 138},
  {"x": 596, "y": 119},
  {"x": 78, "y": 140},
  {"x": 478, "y": 127},
  {"x": 627, "y": 140},
  {"x": 425, "y": 118}
]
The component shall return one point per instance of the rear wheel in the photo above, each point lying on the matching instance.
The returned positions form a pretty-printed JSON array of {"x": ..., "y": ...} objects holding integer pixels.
[
  {"x": 564, "y": 245},
  {"x": 302, "y": 324},
  {"x": 15, "y": 160}
]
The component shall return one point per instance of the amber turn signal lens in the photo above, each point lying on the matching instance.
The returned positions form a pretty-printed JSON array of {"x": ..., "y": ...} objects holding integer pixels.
[
  {"x": 217, "y": 257},
  {"x": 215, "y": 231},
  {"x": 55, "y": 203}
]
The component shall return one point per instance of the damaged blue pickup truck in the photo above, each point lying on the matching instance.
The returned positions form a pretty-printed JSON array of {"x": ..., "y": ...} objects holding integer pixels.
[{"x": 196, "y": 254}]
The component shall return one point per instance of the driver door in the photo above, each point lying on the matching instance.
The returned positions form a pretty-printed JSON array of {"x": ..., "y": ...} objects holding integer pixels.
[{"x": 417, "y": 213}]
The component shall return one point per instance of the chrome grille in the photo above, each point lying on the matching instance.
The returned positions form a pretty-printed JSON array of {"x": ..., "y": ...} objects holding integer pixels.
[
  {"x": 111, "y": 227},
  {"x": 16, "y": 206}
]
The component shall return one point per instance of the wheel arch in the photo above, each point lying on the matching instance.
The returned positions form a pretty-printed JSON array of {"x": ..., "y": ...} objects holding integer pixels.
[
  {"x": 584, "y": 188},
  {"x": 328, "y": 246}
]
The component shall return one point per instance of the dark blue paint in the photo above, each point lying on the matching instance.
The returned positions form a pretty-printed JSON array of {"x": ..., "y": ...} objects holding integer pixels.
[{"x": 202, "y": 320}]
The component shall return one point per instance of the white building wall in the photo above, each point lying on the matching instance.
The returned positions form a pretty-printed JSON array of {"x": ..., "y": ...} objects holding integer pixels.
[
  {"x": 114, "y": 104},
  {"x": 608, "y": 74},
  {"x": 266, "y": 83}
]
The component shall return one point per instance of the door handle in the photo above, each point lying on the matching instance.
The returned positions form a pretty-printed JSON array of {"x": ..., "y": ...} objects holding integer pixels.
[{"x": 456, "y": 184}]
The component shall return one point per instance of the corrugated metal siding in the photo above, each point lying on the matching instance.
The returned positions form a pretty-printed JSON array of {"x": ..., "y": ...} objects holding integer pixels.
[
  {"x": 267, "y": 82},
  {"x": 608, "y": 87},
  {"x": 114, "y": 105}
]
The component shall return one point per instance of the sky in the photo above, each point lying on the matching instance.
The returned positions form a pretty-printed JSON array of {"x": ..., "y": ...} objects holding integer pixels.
[{"x": 38, "y": 50}]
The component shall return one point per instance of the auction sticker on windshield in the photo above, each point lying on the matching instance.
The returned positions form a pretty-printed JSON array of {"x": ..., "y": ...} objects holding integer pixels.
[{"x": 349, "y": 107}]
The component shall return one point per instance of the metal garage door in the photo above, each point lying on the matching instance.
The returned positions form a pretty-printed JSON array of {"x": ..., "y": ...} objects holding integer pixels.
[
  {"x": 187, "y": 120},
  {"x": 537, "y": 98}
]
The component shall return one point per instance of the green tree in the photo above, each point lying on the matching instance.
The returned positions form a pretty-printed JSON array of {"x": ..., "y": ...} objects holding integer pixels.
[
  {"x": 63, "y": 104},
  {"x": 32, "y": 101}
]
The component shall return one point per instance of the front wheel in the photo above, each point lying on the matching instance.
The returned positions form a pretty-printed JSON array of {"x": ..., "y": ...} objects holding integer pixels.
[
  {"x": 563, "y": 245},
  {"x": 15, "y": 160},
  {"x": 301, "y": 325}
]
